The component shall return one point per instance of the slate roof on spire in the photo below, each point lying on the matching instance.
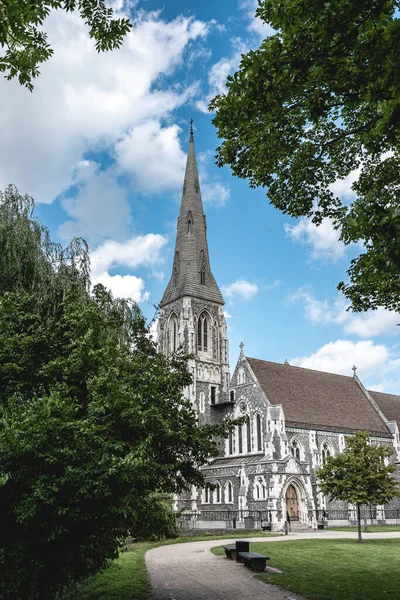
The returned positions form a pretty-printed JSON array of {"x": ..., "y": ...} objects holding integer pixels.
[{"x": 191, "y": 271}]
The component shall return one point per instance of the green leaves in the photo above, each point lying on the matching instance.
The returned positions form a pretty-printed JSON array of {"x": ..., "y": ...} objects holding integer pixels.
[
  {"x": 316, "y": 101},
  {"x": 93, "y": 423},
  {"x": 25, "y": 46},
  {"x": 362, "y": 474}
]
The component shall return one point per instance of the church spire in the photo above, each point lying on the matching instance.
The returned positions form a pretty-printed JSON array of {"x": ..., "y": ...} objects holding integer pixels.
[{"x": 191, "y": 271}]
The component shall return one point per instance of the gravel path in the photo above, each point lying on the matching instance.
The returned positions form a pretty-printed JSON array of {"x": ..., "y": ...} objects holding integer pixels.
[{"x": 189, "y": 571}]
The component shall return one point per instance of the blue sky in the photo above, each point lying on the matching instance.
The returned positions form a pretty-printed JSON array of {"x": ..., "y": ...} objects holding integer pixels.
[{"x": 101, "y": 146}]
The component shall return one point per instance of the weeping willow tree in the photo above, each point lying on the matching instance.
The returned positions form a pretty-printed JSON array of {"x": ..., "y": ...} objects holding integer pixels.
[
  {"x": 93, "y": 423},
  {"x": 29, "y": 260}
]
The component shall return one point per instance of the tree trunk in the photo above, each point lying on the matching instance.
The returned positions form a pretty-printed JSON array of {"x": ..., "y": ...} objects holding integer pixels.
[{"x": 359, "y": 521}]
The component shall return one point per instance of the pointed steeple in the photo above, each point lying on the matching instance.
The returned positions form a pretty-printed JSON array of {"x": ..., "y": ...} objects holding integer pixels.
[{"x": 191, "y": 271}]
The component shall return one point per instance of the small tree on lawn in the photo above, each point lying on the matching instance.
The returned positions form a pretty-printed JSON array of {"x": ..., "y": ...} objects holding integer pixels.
[{"x": 360, "y": 474}]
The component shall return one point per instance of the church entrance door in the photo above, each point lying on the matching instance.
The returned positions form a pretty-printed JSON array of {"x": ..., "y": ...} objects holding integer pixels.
[{"x": 292, "y": 503}]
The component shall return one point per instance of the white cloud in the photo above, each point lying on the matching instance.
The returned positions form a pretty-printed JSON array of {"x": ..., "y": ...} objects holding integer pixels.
[
  {"x": 390, "y": 386},
  {"x": 138, "y": 251},
  {"x": 372, "y": 323},
  {"x": 323, "y": 241},
  {"x": 342, "y": 187},
  {"x": 339, "y": 357},
  {"x": 152, "y": 154},
  {"x": 274, "y": 284},
  {"x": 256, "y": 25},
  {"x": 377, "y": 365},
  {"x": 321, "y": 311},
  {"x": 213, "y": 191},
  {"x": 100, "y": 206},
  {"x": 219, "y": 73},
  {"x": 84, "y": 100},
  {"x": 365, "y": 325},
  {"x": 123, "y": 286},
  {"x": 241, "y": 288}
]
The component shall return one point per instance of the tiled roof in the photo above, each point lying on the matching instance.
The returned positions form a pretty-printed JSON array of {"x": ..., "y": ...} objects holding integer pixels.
[
  {"x": 389, "y": 405},
  {"x": 316, "y": 399}
]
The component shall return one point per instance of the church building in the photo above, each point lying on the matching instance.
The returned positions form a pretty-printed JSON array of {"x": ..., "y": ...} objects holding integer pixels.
[{"x": 295, "y": 417}]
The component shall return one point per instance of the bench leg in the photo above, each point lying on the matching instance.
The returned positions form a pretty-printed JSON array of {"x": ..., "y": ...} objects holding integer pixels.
[{"x": 258, "y": 565}]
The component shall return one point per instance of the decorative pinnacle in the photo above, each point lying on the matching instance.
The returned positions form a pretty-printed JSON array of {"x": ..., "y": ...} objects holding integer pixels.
[
  {"x": 354, "y": 369},
  {"x": 241, "y": 346}
]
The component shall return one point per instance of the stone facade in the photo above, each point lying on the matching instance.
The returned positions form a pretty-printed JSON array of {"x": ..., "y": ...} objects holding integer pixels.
[{"x": 295, "y": 418}]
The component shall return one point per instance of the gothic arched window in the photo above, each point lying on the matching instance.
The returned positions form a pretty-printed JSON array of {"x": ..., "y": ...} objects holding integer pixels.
[
  {"x": 217, "y": 493},
  {"x": 173, "y": 342},
  {"x": 189, "y": 222},
  {"x": 258, "y": 428},
  {"x": 203, "y": 276},
  {"x": 325, "y": 452},
  {"x": 230, "y": 442},
  {"x": 248, "y": 435},
  {"x": 240, "y": 439},
  {"x": 201, "y": 402},
  {"x": 202, "y": 332},
  {"x": 229, "y": 492},
  {"x": 295, "y": 449}
]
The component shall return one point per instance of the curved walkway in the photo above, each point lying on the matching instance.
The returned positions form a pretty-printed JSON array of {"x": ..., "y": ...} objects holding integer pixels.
[{"x": 189, "y": 571}]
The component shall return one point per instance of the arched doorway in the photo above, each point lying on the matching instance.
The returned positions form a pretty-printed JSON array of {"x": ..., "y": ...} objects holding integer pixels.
[{"x": 292, "y": 503}]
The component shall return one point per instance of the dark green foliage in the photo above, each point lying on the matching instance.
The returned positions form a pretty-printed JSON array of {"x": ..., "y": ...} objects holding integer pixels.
[
  {"x": 92, "y": 418},
  {"x": 160, "y": 522},
  {"x": 360, "y": 474},
  {"x": 25, "y": 45},
  {"x": 314, "y": 102}
]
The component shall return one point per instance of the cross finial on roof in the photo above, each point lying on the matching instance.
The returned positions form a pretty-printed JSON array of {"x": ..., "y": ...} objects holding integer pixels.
[
  {"x": 354, "y": 369},
  {"x": 191, "y": 128},
  {"x": 241, "y": 346}
]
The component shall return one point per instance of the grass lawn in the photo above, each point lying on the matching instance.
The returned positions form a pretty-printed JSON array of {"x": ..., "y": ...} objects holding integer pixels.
[
  {"x": 127, "y": 579},
  {"x": 371, "y": 528},
  {"x": 334, "y": 569}
]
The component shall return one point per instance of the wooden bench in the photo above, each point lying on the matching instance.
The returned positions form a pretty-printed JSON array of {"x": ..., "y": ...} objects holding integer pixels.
[
  {"x": 254, "y": 561},
  {"x": 230, "y": 551}
]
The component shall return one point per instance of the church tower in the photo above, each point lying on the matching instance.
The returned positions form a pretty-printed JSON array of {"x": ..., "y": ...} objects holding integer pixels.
[{"x": 191, "y": 317}]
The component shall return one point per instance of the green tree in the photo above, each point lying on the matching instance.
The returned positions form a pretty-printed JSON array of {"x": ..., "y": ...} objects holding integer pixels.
[
  {"x": 360, "y": 474},
  {"x": 93, "y": 424},
  {"x": 25, "y": 45},
  {"x": 317, "y": 100}
]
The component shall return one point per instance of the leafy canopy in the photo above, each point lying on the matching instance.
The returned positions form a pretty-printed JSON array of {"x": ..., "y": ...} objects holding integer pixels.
[
  {"x": 25, "y": 45},
  {"x": 316, "y": 101},
  {"x": 93, "y": 423},
  {"x": 360, "y": 475}
]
